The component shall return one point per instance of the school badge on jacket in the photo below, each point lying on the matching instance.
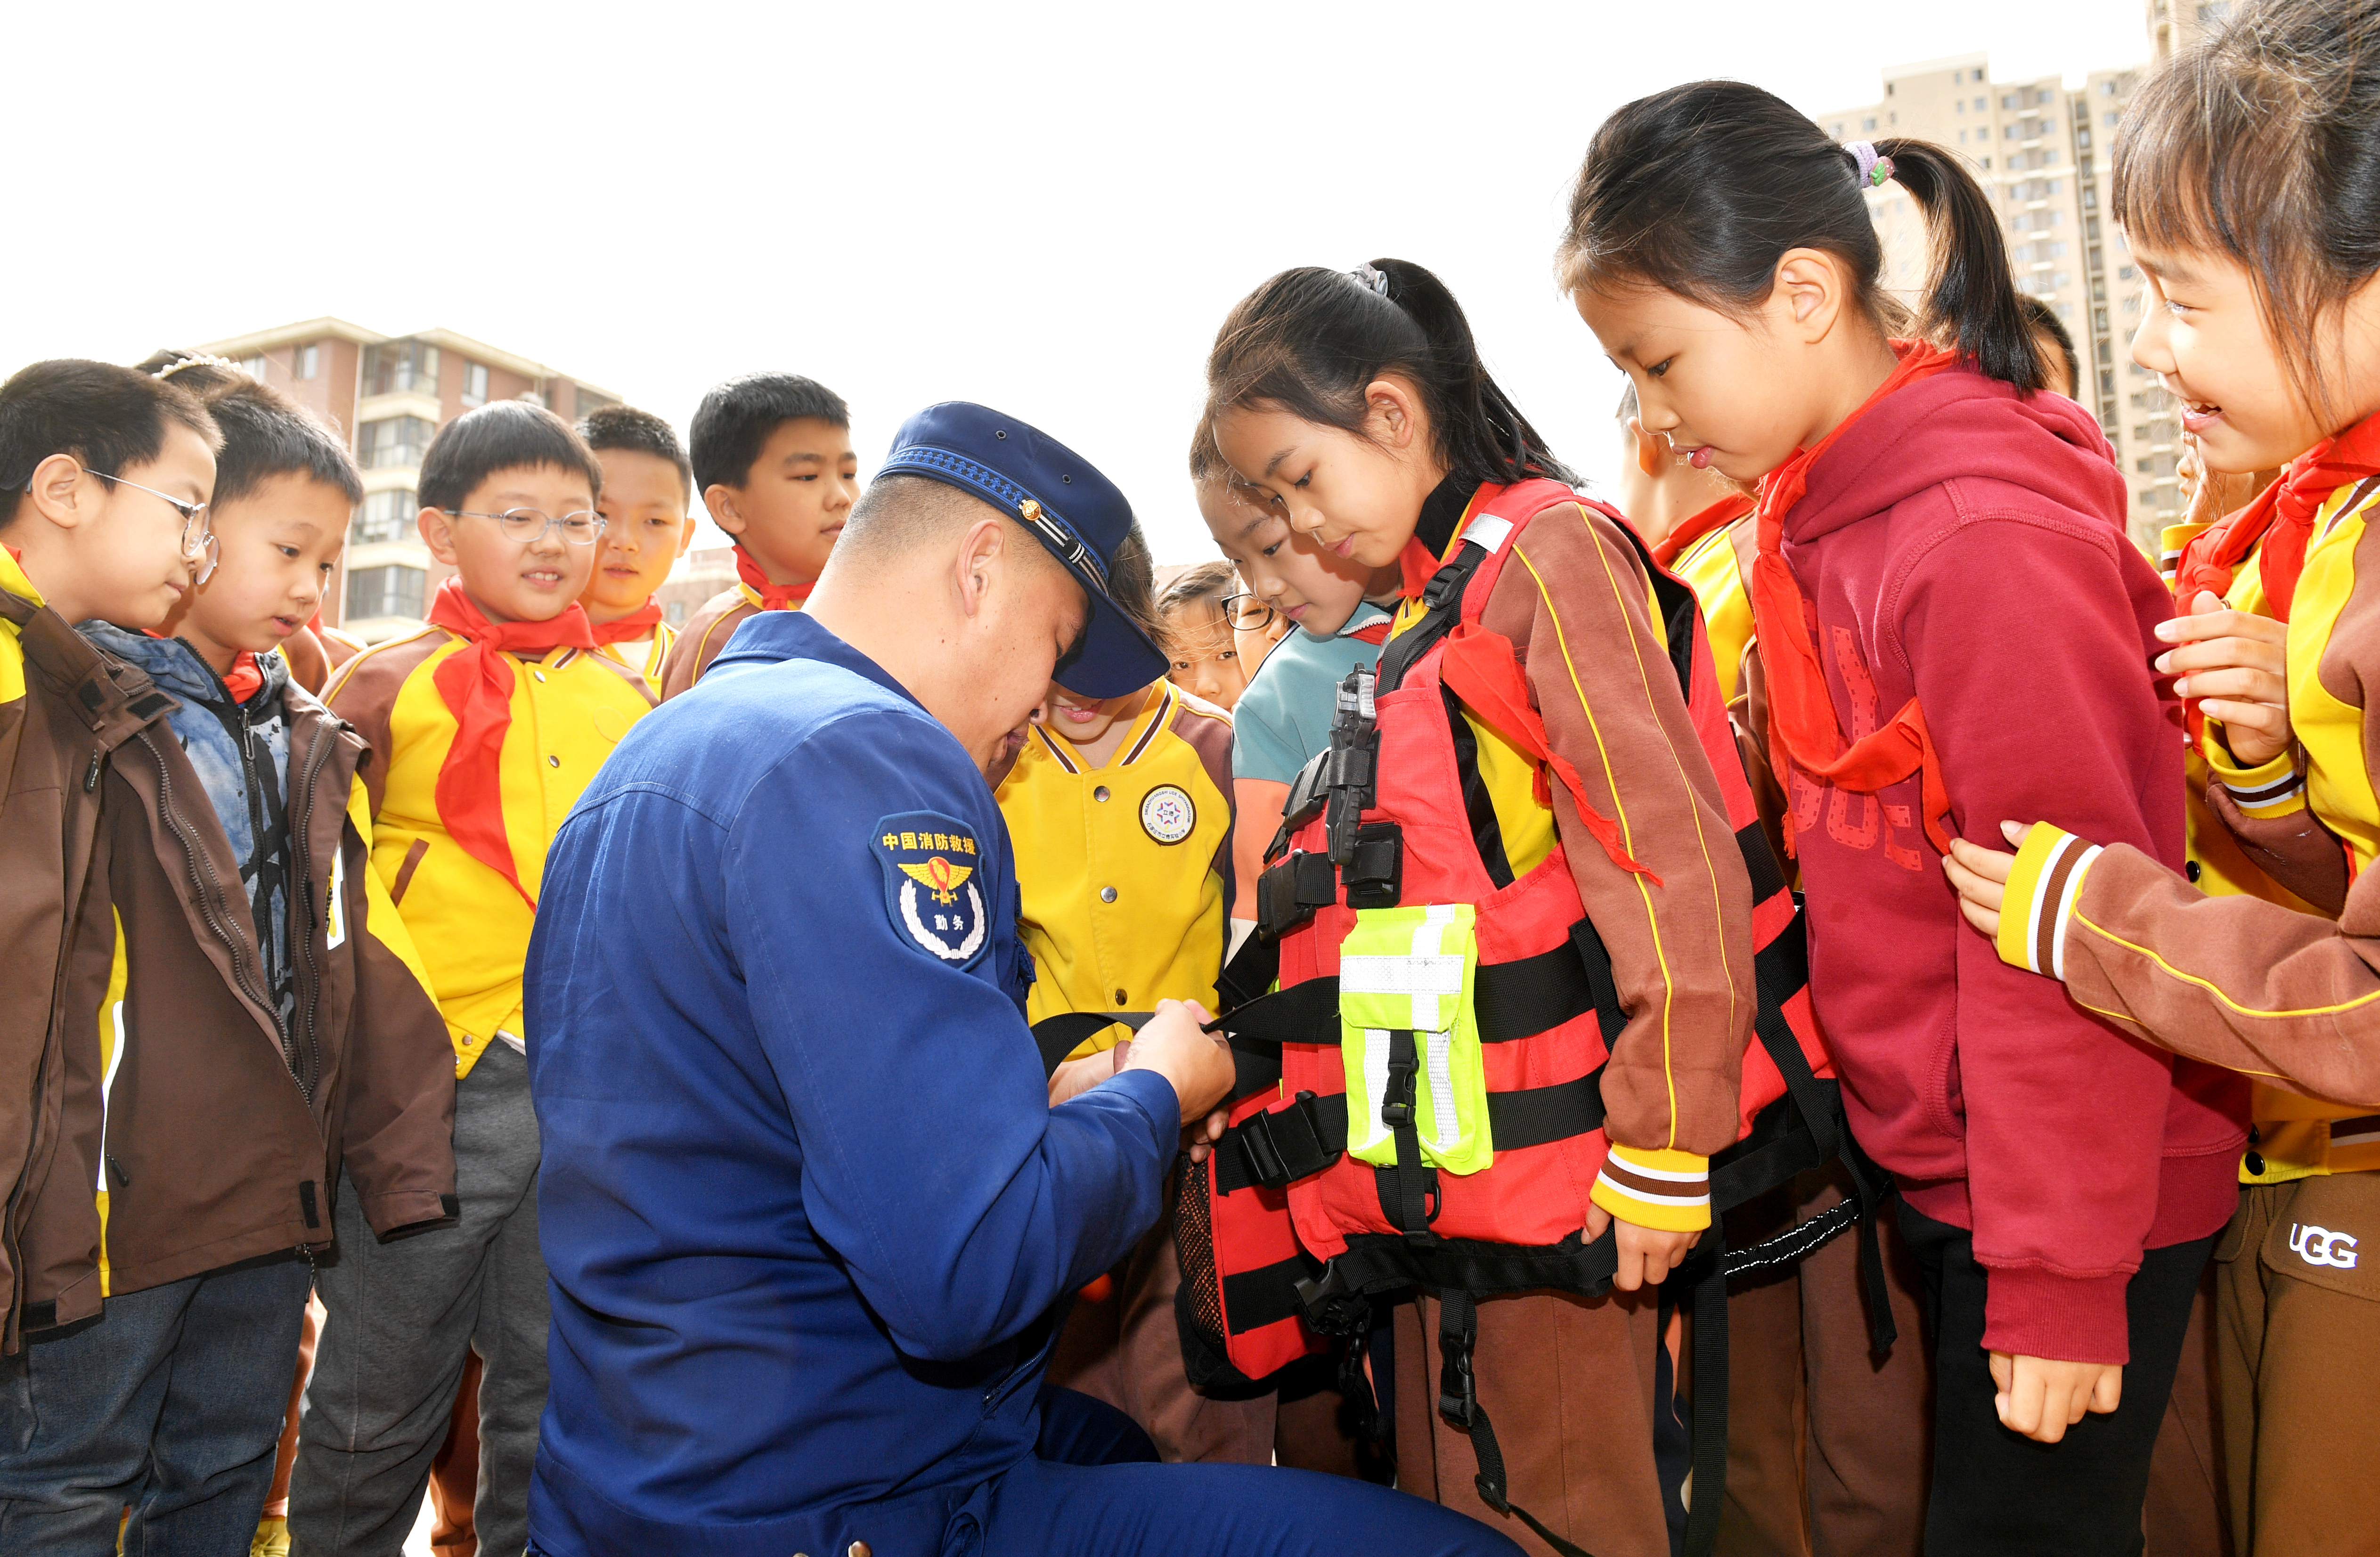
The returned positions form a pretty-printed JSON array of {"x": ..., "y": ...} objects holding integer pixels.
[{"x": 929, "y": 865}]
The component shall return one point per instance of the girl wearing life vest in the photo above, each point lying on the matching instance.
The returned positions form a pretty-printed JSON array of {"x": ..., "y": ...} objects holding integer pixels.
[
  {"x": 1542, "y": 795},
  {"x": 1951, "y": 622},
  {"x": 2237, "y": 179}
]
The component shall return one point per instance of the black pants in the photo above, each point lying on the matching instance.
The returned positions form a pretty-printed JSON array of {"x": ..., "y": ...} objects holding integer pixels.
[{"x": 1998, "y": 1492}]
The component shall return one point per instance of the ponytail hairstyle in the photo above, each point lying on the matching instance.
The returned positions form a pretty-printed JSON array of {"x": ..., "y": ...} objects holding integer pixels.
[
  {"x": 1309, "y": 341},
  {"x": 1701, "y": 190},
  {"x": 2263, "y": 144}
]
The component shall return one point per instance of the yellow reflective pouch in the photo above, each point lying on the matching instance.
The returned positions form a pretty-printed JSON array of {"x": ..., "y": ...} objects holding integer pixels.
[{"x": 1409, "y": 1038}]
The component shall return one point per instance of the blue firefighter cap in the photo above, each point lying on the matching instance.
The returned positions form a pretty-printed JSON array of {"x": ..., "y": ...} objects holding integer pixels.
[{"x": 1078, "y": 514}]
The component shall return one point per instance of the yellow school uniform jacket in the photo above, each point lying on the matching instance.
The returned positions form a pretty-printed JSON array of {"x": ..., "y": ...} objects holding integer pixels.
[
  {"x": 705, "y": 635},
  {"x": 2326, "y": 772},
  {"x": 471, "y": 926},
  {"x": 648, "y": 661},
  {"x": 1125, "y": 870}
]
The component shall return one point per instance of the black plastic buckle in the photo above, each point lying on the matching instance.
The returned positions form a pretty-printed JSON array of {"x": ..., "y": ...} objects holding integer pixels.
[
  {"x": 1398, "y": 1099},
  {"x": 1458, "y": 1390},
  {"x": 1283, "y": 1145},
  {"x": 1289, "y": 892},
  {"x": 1375, "y": 871},
  {"x": 1446, "y": 584},
  {"x": 1308, "y": 792}
]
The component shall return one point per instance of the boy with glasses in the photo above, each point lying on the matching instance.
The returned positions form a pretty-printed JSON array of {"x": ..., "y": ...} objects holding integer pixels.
[{"x": 491, "y": 718}]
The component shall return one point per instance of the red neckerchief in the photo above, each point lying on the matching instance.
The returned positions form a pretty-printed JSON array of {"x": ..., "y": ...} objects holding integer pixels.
[
  {"x": 245, "y": 678},
  {"x": 2281, "y": 518},
  {"x": 1718, "y": 515},
  {"x": 774, "y": 597},
  {"x": 475, "y": 683},
  {"x": 1803, "y": 729},
  {"x": 635, "y": 627}
]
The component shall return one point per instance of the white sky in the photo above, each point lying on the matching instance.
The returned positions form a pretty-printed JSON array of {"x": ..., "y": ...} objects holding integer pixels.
[{"x": 1047, "y": 208}]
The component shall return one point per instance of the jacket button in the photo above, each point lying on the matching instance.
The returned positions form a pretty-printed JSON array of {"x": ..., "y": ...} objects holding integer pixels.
[
  {"x": 552, "y": 759},
  {"x": 1106, "y": 895},
  {"x": 2190, "y": 870},
  {"x": 1120, "y": 998},
  {"x": 539, "y": 674},
  {"x": 2254, "y": 1164},
  {"x": 860, "y": 1549},
  {"x": 1100, "y": 793}
]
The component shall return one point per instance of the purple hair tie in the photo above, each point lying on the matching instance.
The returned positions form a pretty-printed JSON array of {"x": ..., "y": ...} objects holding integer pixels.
[{"x": 1873, "y": 168}]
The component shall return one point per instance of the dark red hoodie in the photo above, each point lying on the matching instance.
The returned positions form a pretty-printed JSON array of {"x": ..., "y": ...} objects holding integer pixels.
[{"x": 1966, "y": 545}]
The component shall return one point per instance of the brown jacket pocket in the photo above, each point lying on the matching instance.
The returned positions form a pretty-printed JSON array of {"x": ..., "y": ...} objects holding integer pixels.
[{"x": 2329, "y": 1234}]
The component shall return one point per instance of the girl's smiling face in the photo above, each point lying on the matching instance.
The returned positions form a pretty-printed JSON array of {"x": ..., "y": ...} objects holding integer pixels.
[
  {"x": 1357, "y": 494},
  {"x": 2206, "y": 332}
]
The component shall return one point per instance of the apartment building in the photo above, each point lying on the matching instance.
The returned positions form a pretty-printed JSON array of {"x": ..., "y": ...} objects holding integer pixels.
[
  {"x": 2174, "y": 25},
  {"x": 390, "y": 395},
  {"x": 2041, "y": 149}
]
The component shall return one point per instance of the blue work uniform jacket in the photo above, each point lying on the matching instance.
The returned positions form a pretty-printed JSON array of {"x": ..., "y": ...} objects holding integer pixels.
[{"x": 806, "y": 1206}]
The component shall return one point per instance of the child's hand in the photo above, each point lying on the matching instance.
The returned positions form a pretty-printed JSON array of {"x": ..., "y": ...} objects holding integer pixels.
[
  {"x": 1646, "y": 1254},
  {"x": 1073, "y": 1077},
  {"x": 1980, "y": 875},
  {"x": 2040, "y": 1397},
  {"x": 1198, "y": 1063},
  {"x": 2235, "y": 663}
]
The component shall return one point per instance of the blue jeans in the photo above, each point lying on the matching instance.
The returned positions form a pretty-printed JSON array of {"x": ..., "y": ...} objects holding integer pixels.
[{"x": 171, "y": 1404}]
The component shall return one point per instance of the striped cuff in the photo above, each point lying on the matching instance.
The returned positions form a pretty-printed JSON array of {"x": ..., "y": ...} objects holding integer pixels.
[
  {"x": 2271, "y": 789},
  {"x": 1670, "y": 1190},
  {"x": 2042, "y": 887}
]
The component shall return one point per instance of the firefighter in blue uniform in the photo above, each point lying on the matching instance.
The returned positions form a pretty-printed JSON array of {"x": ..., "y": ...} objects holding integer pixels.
[{"x": 810, "y": 1221}]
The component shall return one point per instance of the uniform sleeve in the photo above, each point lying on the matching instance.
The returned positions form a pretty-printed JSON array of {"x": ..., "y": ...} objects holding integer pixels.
[
  {"x": 1574, "y": 596},
  {"x": 2061, "y": 1233},
  {"x": 963, "y": 1204},
  {"x": 2286, "y": 997},
  {"x": 399, "y": 1138}
]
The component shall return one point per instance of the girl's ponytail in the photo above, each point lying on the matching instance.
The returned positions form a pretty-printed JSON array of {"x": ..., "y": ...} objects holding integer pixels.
[
  {"x": 1970, "y": 301},
  {"x": 1310, "y": 340},
  {"x": 1701, "y": 190}
]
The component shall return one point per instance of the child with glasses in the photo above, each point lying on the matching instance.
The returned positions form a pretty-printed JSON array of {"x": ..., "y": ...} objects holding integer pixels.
[
  {"x": 263, "y": 1031},
  {"x": 1198, "y": 637},
  {"x": 492, "y": 718},
  {"x": 771, "y": 456}
]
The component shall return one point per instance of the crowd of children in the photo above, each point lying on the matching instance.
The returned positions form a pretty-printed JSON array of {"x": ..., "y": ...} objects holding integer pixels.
[{"x": 1858, "y": 656}]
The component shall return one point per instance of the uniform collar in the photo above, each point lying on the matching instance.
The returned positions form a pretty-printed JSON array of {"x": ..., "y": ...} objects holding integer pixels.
[{"x": 773, "y": 636}]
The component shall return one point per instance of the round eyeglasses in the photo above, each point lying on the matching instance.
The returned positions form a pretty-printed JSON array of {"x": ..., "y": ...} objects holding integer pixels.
[
  {"x": 1247, "y": 613},
  {"x": 527, "y": 525},
  {"x": 197, "y": 533}
]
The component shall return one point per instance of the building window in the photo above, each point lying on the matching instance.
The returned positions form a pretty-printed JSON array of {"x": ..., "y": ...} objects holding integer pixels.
[
  {"x": 254, "y": 366},
  {"x": 392, "y": 441},
  {"x": 1867, "y": 124},
  {"x": 2109, "y": 119},
  {"x": 475, "y": 383},
  {"x": 2126, "y": 272},
  {"x": 674, "y": 610},
  {"x": 588, "y": 400},
  {"x": 384, "y": 591},
  {"x": 399, "y": 367},
  {"x": 384, "y": 516},
  {"x": 308, "y": 358}
]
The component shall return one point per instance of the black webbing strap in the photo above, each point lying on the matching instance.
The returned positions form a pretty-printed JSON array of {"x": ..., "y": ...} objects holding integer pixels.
[
  {"x": 1061, "y": 1035},
  {"x": 1267, "y": 1295},
  {"x": 1284, "y": 1144},
  {"x": 1408, "y": 1185},
  {"x": 1709, "y": 1440},
  {"x": 1458, "y": 1402},
  {"x": 1442, "y": 598},
  {"x": 1510, "y": 1000}
]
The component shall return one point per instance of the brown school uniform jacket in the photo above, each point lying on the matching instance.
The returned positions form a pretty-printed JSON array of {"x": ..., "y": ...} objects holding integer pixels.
[
  {"x": 67, "y": 706},
  {"x": 188, "y": 1137},
  {"x": 704, "y": 637}
]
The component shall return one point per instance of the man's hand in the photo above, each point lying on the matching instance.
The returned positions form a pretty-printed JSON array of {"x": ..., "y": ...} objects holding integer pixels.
[
  {"x": 2040, "y": 1397},
  {"x": 1980, "y": 875},
  {"x": 1198, "y": 1063},
  {"x": 2235, "y": 663},
  {"x": 1646, "y": 1254}
]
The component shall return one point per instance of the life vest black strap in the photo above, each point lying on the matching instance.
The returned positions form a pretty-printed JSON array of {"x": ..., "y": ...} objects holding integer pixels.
[
  {"x": 1510, "y": 1000},
  {"x": 1709, "y": 1438},
  {"x": 1267, "y": 1295},
  {"x": 1458, "y": 1402},
  {"x": 1281, "y": 1144},
  {"x": 1061, "y": 1035}
]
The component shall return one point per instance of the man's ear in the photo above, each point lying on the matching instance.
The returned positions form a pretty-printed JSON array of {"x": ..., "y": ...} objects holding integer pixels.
[
  {"x": 1809, "y": 293},
  {"x": 719, "y": 498},
  {"x": 1391, "y": 410},
  {"x": 982, "y": 558},
  {"x": 58, "y": 494},
  {"x": 437, "y": 533}
]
